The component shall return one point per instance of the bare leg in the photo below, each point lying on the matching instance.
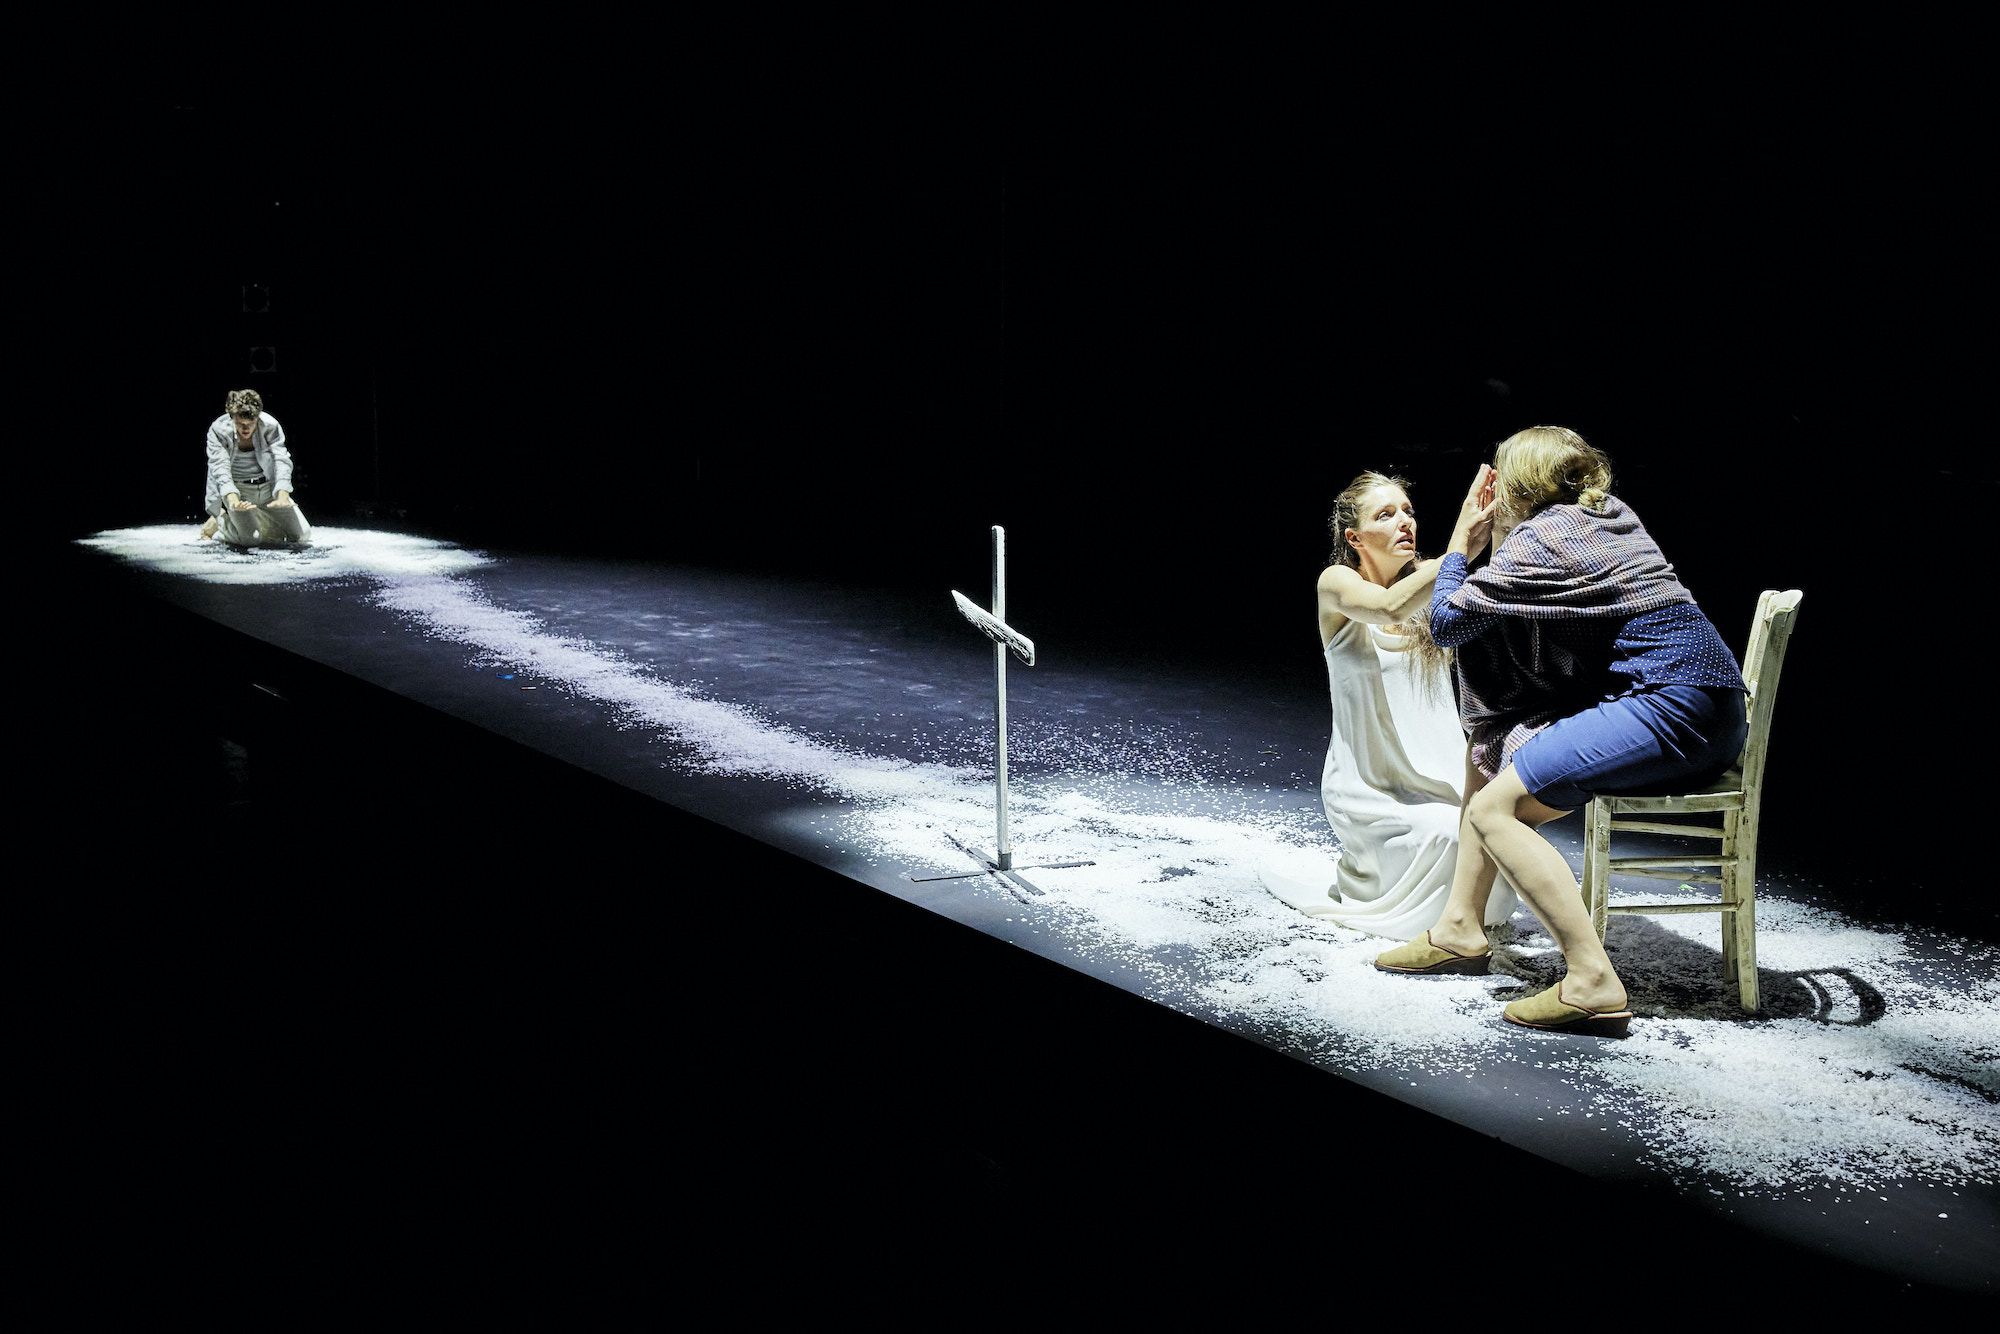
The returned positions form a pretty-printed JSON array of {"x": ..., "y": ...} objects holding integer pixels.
[
  {"x": 1462, "y": 928},
  {"x": 1505, "y": 817}
]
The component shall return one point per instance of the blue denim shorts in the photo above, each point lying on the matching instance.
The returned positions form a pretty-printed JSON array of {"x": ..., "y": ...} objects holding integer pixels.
[{"x": 1659, "y": 739}]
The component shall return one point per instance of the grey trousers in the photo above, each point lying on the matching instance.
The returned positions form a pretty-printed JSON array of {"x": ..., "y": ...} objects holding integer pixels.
[{"x": 249, "y": 528}]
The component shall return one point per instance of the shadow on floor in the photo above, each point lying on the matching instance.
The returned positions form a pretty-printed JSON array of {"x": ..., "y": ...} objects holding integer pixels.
[{"x": 1669, "y": 976}]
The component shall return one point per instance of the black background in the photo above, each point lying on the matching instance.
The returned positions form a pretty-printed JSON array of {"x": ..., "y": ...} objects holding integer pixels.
[{"x": 828, "y": 305}]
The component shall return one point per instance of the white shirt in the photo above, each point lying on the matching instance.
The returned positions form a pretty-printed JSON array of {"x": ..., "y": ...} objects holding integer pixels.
[{"x": 267, "y": 442}]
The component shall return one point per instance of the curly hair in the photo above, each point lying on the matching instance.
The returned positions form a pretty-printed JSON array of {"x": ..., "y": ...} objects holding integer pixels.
[
  {"x": 244, "y": 403},
  {"x": 1548, "y": 465}
]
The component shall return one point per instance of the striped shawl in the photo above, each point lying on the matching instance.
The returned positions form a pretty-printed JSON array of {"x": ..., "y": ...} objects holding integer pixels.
[{"x": 1558, "y": 592}]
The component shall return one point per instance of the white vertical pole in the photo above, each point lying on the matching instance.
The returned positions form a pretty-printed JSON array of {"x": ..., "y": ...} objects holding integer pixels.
[{"x": 1006, "y": 857}]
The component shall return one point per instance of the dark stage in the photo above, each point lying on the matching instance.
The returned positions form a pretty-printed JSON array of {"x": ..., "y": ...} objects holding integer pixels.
[{"x": 582, "y": 838}]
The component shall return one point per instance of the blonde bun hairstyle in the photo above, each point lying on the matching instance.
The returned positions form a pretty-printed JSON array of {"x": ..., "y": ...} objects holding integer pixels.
[{"x": 1548, "y": 465}]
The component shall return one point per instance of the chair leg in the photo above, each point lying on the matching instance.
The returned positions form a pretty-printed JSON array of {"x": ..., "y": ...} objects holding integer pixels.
[
  {"x": 1745, "y": 916},
  {"x": 1587, "y": 881},
  {"x": 1597, "y": 862},
  {"x": 1731, "y": 894}
]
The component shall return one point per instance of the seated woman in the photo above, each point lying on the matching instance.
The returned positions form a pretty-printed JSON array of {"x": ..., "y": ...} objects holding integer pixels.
[
  {"x": 1391, "y": 782},
  {"x": 249, "y": 497},
  {"x": 1584, "y": 666}
]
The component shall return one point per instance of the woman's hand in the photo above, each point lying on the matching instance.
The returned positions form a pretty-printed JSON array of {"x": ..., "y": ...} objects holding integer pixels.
[
  {"x": 1475, "y": 516},
  {"x": 282, "y": 501}
]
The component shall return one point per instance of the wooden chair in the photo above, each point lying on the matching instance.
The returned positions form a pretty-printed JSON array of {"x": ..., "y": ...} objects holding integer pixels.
[{"x": 1737, "y": 795}]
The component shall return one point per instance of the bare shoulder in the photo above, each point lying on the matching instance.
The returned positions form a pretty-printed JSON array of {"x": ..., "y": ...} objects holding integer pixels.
[
  {"x": 1340, "y": 579},
  {"x": 1342, "y": 588}
]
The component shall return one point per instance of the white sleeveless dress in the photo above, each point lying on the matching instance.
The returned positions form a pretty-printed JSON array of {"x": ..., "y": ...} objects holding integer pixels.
[{"x": 1392, "y": 791}]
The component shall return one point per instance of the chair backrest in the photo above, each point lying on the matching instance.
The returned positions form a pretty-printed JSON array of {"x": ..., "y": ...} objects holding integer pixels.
[{"x": 1770, "y": 633}]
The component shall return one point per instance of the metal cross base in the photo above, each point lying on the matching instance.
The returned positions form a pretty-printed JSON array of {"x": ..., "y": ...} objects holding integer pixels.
[{"x": 990, "y": 866}]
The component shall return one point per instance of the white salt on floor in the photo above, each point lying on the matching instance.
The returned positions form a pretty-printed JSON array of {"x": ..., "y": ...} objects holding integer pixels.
[{"x": 1807, "y": 1095}]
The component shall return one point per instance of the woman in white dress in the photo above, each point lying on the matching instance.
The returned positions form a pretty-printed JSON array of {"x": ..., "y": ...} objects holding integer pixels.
[{"x": 1395, "y": 770}]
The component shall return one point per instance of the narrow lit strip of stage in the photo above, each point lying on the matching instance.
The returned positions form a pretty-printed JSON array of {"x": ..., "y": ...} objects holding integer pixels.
[{"x": 1853, "y": 1119}]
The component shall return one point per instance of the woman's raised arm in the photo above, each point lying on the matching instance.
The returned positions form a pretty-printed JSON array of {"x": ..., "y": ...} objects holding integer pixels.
[
  {"x": 1475, "y": 516},
  {"x": 1343, "y": 592},
  {"x": 1449, "y": 626}
]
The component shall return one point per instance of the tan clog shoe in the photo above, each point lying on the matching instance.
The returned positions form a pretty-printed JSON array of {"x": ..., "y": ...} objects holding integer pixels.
[
  {"x": 1420, "y": 956},
  {"x": 1549, "y": 1012}
]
